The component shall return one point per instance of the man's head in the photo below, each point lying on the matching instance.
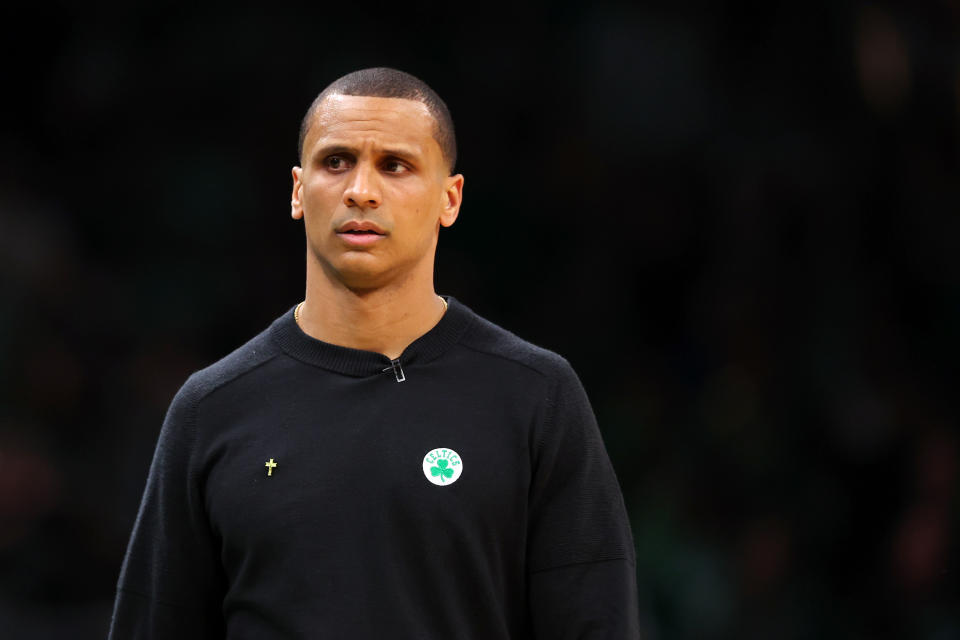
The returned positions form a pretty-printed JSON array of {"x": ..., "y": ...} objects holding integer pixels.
[
  {"x": 383, "y": 82},
  {"x": 375, "y": 184}
]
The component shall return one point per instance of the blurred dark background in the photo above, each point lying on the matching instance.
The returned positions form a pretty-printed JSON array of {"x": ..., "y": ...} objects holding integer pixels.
[{"x": 739, "y": 221}]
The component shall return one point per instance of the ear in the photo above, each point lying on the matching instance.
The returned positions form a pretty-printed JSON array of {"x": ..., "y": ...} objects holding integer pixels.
[
  {"x": 453, "y": 196},
  {"x": 296, "y": 201}
]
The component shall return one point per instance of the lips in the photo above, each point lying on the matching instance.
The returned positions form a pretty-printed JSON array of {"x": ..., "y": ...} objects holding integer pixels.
[
  {"x": 360, "y": 233},
  {"x": 361, "y": 226}
]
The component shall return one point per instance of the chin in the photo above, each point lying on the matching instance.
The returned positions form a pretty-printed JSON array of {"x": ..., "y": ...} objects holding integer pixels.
[
  {"x": 364, "y": 271},
  {"x": 360, "y": 272},
  {"x": 362, "y": 280}
]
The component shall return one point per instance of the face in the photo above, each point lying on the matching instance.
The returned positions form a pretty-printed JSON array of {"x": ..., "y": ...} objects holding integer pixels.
[{"x": 373, "y": 191}]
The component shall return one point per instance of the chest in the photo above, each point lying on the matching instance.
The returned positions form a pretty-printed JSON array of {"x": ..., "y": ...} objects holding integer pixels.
[{"x": 374, "y": 462}]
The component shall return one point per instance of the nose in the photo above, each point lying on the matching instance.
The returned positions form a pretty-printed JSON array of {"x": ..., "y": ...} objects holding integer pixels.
[{"x": 363, "y": 189}]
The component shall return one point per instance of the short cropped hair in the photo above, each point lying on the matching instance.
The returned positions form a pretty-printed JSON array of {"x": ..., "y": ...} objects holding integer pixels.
[{"x": 384, "y": 82}]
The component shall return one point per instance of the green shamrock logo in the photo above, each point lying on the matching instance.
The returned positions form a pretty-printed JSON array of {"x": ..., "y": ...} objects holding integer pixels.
[{"x": 441, "y": 470}]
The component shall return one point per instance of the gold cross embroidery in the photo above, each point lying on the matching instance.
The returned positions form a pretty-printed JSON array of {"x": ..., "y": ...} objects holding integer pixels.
[{"x": 270, "y": 465}]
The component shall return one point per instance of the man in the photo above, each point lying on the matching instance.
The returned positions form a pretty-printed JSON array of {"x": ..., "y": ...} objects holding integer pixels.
[{"x": 380, "y": 462}]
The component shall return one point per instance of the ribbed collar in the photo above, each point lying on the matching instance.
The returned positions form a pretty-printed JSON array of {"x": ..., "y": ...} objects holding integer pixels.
[{"x": 356, "y": 362}]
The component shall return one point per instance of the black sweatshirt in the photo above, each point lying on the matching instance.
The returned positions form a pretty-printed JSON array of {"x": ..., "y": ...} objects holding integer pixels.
[{"x": 305, "y": 490}]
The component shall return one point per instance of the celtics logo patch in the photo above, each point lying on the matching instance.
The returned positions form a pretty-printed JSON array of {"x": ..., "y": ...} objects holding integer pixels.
[{"x": 442, "y": 466}]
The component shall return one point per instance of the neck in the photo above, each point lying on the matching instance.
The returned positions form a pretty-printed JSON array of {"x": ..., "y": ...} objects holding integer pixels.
[{"x": 384, "y": 320}]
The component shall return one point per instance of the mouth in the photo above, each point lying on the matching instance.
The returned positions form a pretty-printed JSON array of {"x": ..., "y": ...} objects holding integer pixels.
[
  {"x": 361, "y": 226},
  {"x": 359, "y": 233}
]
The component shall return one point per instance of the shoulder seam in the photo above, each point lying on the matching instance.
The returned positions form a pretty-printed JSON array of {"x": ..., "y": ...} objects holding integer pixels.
[
  {"x": 222, "y": 383},
  {"x": 504, "y": 357},
  {"x": 630, "y": 560}
]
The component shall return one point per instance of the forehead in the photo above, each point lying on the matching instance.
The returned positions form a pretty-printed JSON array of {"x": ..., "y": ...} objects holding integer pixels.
[{"x": 361, "y": 119}]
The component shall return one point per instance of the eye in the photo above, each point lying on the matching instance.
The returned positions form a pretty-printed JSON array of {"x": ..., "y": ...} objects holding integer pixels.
[
  {"x": 395, "y": 166},
  {"x": 336, "y": 163}
]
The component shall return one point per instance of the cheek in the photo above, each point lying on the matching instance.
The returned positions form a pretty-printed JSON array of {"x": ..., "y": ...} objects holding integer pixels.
[
  {"x": 316, "y": 195},
  {"x": 320, "y": 201},
  {"x": 427, "y": 206}
]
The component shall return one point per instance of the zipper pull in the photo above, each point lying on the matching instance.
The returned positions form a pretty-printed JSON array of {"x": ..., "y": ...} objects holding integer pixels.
[{"x": 397, "y": 370}]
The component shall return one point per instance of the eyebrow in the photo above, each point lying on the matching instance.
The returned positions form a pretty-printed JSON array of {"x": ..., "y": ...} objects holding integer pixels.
[{"x": 333, "y": 149}]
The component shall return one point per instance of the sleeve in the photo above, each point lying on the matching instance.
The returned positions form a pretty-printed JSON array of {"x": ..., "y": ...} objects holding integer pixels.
[
  {"x": 581, "y": 559},
  {"x": 170, "y": 584}
]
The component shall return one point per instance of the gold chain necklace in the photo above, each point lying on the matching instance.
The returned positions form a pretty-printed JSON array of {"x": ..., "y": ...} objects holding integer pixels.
[{"x": 296, "y": 310}]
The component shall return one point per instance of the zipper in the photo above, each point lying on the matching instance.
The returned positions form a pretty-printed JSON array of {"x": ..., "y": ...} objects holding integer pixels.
[{"x": 397, "y": 370}]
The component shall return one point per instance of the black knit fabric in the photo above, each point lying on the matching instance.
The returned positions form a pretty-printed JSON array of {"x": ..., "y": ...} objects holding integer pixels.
[{"x": 297, "y": 492}]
